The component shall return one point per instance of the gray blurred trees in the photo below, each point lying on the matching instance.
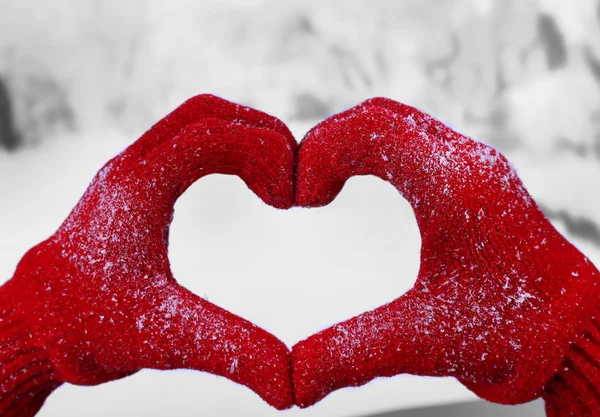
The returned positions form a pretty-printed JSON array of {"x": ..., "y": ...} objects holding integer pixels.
[
  {"x": 510, "y": 72},
  {"x": 9, "y": 138},
  {"x": 66, "y": 63}
]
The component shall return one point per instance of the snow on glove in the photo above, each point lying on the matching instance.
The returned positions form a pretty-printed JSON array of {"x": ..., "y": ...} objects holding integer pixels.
[
  {"x": 502, "y": 301},
  {"x": 97, "y": 300}
]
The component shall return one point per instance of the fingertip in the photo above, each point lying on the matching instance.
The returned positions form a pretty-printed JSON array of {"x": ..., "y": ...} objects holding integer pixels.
[
  {"x": 316, "y": 181},
  {"x": 280, "y": 393},
  {"x": 273, "y": 178},
  {"x": 272, "y": 371},
  {"x": 310, "y": 386}
]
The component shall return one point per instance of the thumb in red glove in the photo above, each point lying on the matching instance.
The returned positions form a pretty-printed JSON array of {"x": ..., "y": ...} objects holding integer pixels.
[
  {"x": 502, "y": 301},
  {"x": 97, "y": 300}
]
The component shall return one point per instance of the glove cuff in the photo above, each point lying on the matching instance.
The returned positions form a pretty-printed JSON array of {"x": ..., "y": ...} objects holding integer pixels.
[
  {"x": 26, "y": 375},
  {"x": 575, "y": 389}
]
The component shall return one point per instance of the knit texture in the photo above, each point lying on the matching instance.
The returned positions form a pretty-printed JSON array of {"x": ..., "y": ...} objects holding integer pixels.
[
  {"x": 575, "y": 389},
  {"x": 97, "y": 300},
  {"x": 26, "y": 375},
  {"x": 503, "y": 302}
]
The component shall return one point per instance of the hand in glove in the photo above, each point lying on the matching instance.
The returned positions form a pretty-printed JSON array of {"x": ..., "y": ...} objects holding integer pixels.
[
  {"x": 97, "y": 300},
  {"x": 502, "y": 301}
]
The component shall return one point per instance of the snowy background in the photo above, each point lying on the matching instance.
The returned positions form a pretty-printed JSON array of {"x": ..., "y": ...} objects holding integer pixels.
[{"x": 79, "y": 81}]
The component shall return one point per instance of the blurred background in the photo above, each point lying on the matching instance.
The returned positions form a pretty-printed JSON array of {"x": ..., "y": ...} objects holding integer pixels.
[{"x": 79, "y": 81}]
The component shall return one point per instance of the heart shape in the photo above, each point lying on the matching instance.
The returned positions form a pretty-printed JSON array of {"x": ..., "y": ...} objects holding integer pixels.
[{"x": 97, "y": 301}]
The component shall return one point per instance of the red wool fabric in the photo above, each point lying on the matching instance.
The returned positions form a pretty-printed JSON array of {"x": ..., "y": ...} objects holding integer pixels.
[
  {"x": 503, "y": 302},
  {"x": 97, "y": 301}
]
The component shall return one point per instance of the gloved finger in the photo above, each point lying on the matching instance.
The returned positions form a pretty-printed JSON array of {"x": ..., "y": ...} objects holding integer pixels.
[
  {"x": 200, "y": 107},
  {"x": 140, "y": 205},
  {"x": 416, "y": 154},
  {"x": 171, "y": 328},
  {"x": 408, "y": 335},
  {"x": 107, "y": 190},
  {"x": 417, "y": 118},
  {"x": 363, "y": 140},
  {"x": 262, "y": 158}
]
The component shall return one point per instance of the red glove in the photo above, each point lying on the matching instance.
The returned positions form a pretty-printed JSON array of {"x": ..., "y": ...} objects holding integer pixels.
[
  {"x": 502, "y": 301},
  {"x": 97, "y": 300}
]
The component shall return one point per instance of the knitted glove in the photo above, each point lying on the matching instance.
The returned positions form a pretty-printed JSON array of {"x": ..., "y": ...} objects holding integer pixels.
[
  {"x": 502, "y": 301},
  {"x": 97, "y": 300}
]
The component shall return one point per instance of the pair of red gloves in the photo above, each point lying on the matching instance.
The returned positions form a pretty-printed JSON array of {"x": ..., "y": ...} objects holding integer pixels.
[{"x": 502, "y": 302}]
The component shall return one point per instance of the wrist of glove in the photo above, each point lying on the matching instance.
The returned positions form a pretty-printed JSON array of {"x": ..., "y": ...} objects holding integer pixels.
[
  {"x": 26, "y": 373},
  {"x": 575, "y": 388}
]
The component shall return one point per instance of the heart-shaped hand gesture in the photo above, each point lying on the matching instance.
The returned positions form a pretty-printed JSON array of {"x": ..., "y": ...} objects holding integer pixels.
[
  {"x": 502, "y": 300},
  {"x": 97, "y": 300}
]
